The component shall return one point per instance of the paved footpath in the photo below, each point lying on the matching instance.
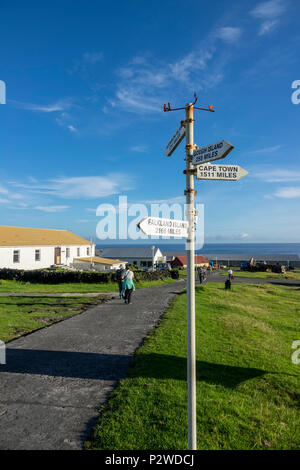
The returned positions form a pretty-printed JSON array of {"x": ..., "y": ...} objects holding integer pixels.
[
  {"x": 55, "y": 379},
  {"x": 216, "y": 277}
]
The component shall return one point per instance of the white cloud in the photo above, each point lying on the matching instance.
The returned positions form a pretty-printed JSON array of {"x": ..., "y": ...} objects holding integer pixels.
[
  {"x": 139, "y": 148},
  {"x": 85, "y": 62},
  {"x": 3, "y": 190},
  {"x": 229, "y": 34},
  {"x": 64, "y": 120},
  {"x": 277, "y": 175},
  {"x": 51, "y": 208},
  {"x": 60, "y": 105},
  {"x": 144, "y": 83},
  {"x": 13, "y": 199},
  {"x": 272, "y": 149},
  {"x": 92, "y": 57},
  {"x": 288, "y": 193},
  {"x": 267, "y": 26},
  {"x": 268, "y": 10},
  {"x": 269, "y": 13},
  {"x": 87, "y": 187}
]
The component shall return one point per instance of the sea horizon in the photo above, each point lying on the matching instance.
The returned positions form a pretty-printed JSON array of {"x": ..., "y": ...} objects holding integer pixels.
[{"x": 217, "y": 248}]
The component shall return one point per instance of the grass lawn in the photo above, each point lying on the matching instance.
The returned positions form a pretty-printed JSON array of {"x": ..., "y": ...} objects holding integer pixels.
[
  {"x": 247, "y": 386},
  {"x": 20, "y": 315},
  {"x": 18, "y": 286},
  {"x": 291, "y": 275}
]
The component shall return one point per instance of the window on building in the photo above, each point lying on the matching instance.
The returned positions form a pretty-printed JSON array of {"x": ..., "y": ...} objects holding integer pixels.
[
  {"x": 37, "y": 255},
  {"x": 143, "y": 264},
  {"x": 68, "y": 252},
  {"x": 78, "y": 251},
  {"x": 88, "y": 251},
  {"x": 16, "y": 256},
  {"x": 135, "y": 263}
]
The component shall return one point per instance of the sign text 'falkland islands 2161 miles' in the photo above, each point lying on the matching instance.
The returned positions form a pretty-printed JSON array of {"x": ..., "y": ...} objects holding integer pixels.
[
  {"x": 175, "y": 141},
  {"x": 220, "y": 172},
  {"x": 164, "y": 227},
  {"x": 212, "y": 152}
]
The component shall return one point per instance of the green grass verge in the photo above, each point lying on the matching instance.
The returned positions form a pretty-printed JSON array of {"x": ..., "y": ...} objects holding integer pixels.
[
  {"x": 19, "y": 286},
  {"x": 21, "y": 315},
  {"x": 247, "y": 386},
  {"x": 290, "y": 275}
]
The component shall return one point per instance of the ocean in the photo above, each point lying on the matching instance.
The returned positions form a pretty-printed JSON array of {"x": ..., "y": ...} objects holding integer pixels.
[{"x": 222, "y": 248}]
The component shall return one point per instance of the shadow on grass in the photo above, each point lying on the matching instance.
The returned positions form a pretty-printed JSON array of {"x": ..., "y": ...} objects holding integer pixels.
[
  {"x": 115, "y": 366},
  {"x": 172, "y": 367},
  {"x": 285, "y": 283}
]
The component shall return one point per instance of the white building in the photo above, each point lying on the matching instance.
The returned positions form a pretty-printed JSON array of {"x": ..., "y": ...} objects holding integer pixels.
[
  {"x": 140, "y": 256},
  {"x": 34, "y": 248},
  {"x": 97, "y": 263}
]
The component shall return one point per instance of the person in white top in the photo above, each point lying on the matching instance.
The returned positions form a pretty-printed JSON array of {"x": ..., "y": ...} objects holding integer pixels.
[
  {"x": 129, "y": 274},
  {"x": 230, "y": 273}
]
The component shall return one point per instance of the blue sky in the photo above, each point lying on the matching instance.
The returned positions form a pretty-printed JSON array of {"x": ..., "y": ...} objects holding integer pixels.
[{"x": 83, "y": 121}]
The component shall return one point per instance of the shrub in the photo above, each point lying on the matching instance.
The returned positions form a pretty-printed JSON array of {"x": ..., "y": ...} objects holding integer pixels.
[
  {"x": 174, "y": 274},
  {"x": 48, "y": 276}
]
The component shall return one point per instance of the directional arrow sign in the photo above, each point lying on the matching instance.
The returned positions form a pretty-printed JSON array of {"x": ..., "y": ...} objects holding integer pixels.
[
  {"x": 220, "y": 172},
  {"x": 212, "y": 152},
  {"x": 175, "y": 141},
  {"x": 164, "y": 227}
]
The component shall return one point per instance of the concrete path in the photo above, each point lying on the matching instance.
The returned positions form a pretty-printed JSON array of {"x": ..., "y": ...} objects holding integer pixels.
[
  {"x": 55, "y": 379},
  {"x": 216, "y": 277}
]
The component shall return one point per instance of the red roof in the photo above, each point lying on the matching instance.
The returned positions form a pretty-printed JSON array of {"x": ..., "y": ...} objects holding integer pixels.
[{"x": 198, "y": 260}]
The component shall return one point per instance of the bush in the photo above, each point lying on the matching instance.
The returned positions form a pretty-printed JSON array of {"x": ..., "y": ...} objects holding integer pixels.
[
  {"x": 174, "y": 274},
  {"x": 47, "y": 276}
]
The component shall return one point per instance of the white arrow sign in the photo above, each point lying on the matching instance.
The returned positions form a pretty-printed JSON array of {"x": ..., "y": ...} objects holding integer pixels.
[
  {"x": 164, "y": 227},
  {"x": 212, "y": 152},
  {"x": 220, "y": 172},
  {"x": 175, "y": 141}
]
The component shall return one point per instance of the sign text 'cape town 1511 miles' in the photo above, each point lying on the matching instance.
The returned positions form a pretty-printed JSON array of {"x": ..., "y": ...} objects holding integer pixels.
[
  {"x": 164, "y": 227},
  {"x": 175, "y": 141},
  {"x": 220, "y": 172},
  {"x": 212, "y": 152}
]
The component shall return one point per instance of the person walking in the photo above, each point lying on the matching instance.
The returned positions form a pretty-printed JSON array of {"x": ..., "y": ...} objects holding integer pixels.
[
  {"x": 120, "y": 275},
  {"x": 128, "y": 287},
  {"x": 230, "y": 274},
  {"x": 200, "y": 274},
  {"x": 129, "y": 274}
]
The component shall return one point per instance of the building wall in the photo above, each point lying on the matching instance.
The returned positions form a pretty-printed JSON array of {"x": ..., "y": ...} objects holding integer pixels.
[
  {"x": 85, "y": 266},
  {"x": 27, "y": 256},
  {"x": 158, "y": 256},
  {"x": 139, "y": 262}
]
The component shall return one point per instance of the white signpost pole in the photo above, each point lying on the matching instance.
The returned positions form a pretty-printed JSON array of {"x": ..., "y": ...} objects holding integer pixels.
[{"x": 191, "y": 360}]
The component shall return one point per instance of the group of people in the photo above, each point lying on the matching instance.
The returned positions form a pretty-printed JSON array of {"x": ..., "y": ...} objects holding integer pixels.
[{"x": 125, "y": 283}]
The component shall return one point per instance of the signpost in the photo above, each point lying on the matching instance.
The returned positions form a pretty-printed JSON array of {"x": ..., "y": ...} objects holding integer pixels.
[
  {"x": 220, "y": 172},
  {"x": 212, "y": 152},
  {"x": 164, "y": 227},
  {"x": 154, "y": 226},
  {"x": 175, "y": 141}
]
